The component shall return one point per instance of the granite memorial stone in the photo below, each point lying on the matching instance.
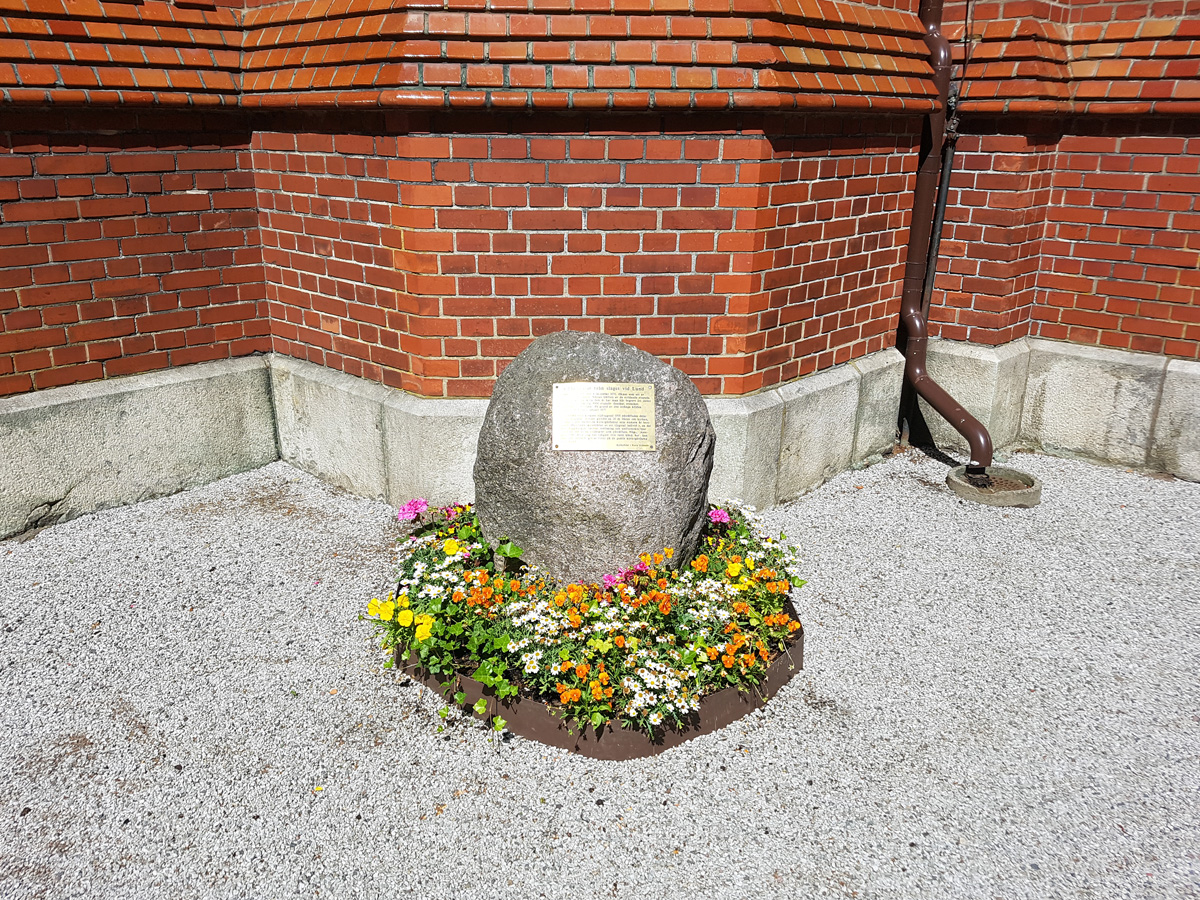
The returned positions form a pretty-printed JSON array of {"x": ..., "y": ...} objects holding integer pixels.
[{"x": 583, "y": 513}]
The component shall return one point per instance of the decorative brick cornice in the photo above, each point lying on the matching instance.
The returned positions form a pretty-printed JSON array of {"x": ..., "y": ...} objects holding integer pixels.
[
  {"x": 137, "y": 53},
  {"x": 588, "y": 54},
  {"x": 554, "y": 54},
  {"x": 1035, "y": 66}
]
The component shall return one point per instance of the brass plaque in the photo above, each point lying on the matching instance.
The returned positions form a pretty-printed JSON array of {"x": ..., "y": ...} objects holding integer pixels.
[{"x": 602, "y": 415}]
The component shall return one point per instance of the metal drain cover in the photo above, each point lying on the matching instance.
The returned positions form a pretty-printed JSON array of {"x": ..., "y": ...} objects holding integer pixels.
[{"x": 1000, "y": 487}]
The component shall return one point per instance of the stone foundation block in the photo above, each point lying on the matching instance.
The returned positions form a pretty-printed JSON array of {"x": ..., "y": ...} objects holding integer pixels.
[
  {"x": 1092, "y": 402},
  {"x": 1175, "y": 446},
  {"x": 73, "y": 450}
]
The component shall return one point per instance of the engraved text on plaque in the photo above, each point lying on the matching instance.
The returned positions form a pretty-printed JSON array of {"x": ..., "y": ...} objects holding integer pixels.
[{"x": 591, "y": 415}]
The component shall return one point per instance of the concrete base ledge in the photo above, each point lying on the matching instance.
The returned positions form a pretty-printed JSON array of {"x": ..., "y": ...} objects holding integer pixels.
[
  {"x": 71, "y": 450},
  {"x": 379, "y": 442},
  {"x": 1137, "y": 410},
  {"x": 372, "y": 440}
]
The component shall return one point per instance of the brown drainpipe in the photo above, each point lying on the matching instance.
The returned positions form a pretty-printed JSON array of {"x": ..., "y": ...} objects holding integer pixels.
[{"x": 912, "y": 320}]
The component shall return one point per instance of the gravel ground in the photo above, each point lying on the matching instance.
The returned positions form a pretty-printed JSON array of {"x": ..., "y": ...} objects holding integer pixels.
[{"x": 996, "y": 704}]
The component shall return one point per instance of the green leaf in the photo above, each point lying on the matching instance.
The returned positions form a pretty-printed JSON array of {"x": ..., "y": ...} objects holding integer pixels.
[
  {"x": 501, "y": 642},
  {"x": 460, "y": 698},
  {"x": 564, "y": 653},
  {"x": 498, "y": 723},
  {"x": 390, "y": 662},
  {"x": 480, "y": 706},
  {"x": 597, "y": 719},
  {"x": 509, "y": 549},
  {"x": 444, "y": 711}
]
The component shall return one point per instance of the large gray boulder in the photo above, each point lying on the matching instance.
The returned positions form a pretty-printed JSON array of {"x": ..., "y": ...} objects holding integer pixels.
[{"x": 582, "y": 513}]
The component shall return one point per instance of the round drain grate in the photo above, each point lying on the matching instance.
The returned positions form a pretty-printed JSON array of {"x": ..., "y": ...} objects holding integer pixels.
[{"x": 999, "y": 487}]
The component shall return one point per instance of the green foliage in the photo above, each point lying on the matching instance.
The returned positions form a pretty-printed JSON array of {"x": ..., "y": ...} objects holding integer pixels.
[{"x": 638, "y": 650}]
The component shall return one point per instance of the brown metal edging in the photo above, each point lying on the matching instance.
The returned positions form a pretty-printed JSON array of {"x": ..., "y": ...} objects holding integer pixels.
[{"x": 537, "y": 720}]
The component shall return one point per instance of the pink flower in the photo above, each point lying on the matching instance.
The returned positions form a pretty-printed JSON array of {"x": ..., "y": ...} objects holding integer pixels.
[
  {"x": 718, "y": 516},
  {"x": 610, "y": 581},
  {"x": 412, "y": 509}
]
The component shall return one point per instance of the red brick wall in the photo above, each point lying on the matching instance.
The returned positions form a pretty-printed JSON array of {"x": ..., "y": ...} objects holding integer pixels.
[
  {"x": 126, "y": 244},
  {"x": 992, "y": 239},
  {"x": 1121, "y": 255},
  {"x": 1091, "y": 236},
  {"x": 427, "y": 260}
]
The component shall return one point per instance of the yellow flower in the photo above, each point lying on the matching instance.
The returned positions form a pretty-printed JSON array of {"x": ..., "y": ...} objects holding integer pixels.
[
  {"x": 734, "y": 570},
  {"x": 668, "y": 552},
  {"x": 451, "y": 547},
  {"x": 424, "y": 627},
  {"x": 403, "y": 601},
  {"x": 404, "y": 618},
  {"x": 386, "y": 609},
  {"x": 373, "y": 607}
]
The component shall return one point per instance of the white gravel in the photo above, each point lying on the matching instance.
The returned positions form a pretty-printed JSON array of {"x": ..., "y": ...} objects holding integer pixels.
[{"x": 997, "y": 703}]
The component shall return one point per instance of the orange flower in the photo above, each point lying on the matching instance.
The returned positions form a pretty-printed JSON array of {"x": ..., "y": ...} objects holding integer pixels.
[
  {"x": 566, "y": 666},
  {"x": 457, "y": 596},
  {"x": 514, "y": 585},
  {"x": 619, "y": 640},
  {"x": 664, "y": 606},
  {"x": 713, "y": 652},
  {"x": 560, "y": 599},
  {"x": 608, "y": 692},
  {"x": 741, "y": 608},
  {"x": 597, "y": 690},
  {"x": 658, "y": 559},
  {"x": 700, "y": 563},
  {"x": 793, "y": 626},
  {"x": 728, "y": 661},
  {"x": 581, "y": 670}
]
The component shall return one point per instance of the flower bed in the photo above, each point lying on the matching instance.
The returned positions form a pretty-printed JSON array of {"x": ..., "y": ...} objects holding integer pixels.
[{"x": 654, "y": 650}]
